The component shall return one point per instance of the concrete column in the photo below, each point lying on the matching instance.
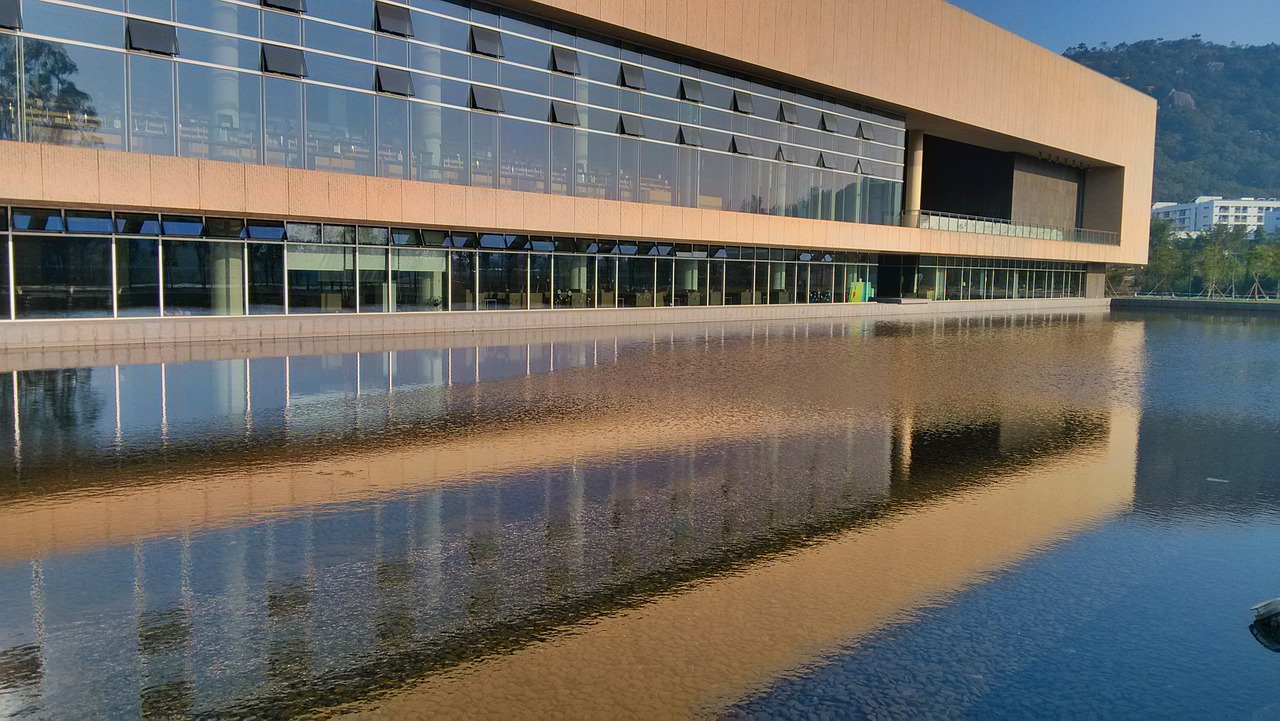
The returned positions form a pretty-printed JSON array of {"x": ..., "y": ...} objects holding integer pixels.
[
  {"x": 227, "y": 263},
  {"x": 914, "y": 178},
  {"x": 1095, "y": 284}
]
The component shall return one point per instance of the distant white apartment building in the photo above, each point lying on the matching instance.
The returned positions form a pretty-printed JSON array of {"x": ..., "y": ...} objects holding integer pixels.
[{"x": 1208, "y": 210}]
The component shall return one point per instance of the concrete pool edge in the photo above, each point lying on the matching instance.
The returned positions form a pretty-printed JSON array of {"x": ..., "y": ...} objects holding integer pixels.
[{"x": 98, "y": 333}]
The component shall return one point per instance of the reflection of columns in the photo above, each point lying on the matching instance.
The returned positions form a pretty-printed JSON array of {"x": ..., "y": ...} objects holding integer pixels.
[
  {"x": 915, "y": 177},
  {"x": 17, "y": 426}
]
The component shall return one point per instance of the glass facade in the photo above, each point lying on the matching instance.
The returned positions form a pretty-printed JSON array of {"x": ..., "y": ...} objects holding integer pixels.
[
  {"x": 958, "y": 278},
  {"x": 84, "y": 264},
  {"x": 410, "y": 93}
]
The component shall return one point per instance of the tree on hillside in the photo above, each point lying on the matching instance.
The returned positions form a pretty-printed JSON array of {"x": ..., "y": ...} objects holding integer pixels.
[{"x": 1227, "y": 144}]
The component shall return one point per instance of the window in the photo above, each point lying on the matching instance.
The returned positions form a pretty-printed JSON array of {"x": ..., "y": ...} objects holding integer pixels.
[
  {"x": 633, "y": 126},
  {"x": 786, "y": 154},
  {"x": 38, "y": 219},
  {"x": 483, "y": 98},
  {"x": 321, "y": 280},
  {"x": 565, "y": 60},
  {"x": 829, "y": 123},
  {"x": 88, "y": 221},
  {"x": 203, "y": 278},
  {"x": 486, "y": 42},
  {"x": 296, "y": 6},
  {"x": 690, "y": 136},
  {"x": 10, "y": 15},
  {"x": 564, "y": 113},
  {"x": 742, "y": 103},
  {"x": 61, "y": 277},
  {"x": 742, "y": 145},
  {"x": 394, "y": 81},
  {"x": 633, "y": 77},
  {"x": 690, "y": 90},
  {"x": 865, "y": 132},
  {"x": 284, "y": 61},
  {"x": 394, "y": 19},
  {"x": 787, "y": 113},
  {"x": 151, "y": 37}
]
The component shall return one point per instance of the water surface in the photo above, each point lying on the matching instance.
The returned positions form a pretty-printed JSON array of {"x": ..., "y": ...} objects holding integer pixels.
[{"x": 977, "y": 517}]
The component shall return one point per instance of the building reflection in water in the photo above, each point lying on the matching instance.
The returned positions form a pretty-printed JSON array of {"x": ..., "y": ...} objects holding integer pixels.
[{"x": 272, "y": 535}]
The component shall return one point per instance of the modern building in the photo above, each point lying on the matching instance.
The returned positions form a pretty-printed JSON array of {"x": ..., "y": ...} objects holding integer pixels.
[
  {"x": 1208, "y": 211},
  {"x": 393, "y": 163},
  {"x": 1271, "y": 221}
]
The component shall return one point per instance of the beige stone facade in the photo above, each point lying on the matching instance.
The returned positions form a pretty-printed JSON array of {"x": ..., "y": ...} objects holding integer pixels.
[{"x": 948, "y": 72}]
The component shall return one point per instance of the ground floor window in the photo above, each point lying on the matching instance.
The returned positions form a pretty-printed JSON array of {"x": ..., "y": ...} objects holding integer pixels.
[{"x": 157, "y": 265}]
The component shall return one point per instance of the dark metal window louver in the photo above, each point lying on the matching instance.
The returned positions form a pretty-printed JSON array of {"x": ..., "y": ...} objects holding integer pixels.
[
  {"x": 485, "y": 41},
  {"x": 565, "y": 60},
  {"x": 633, "y": 126},
  {"x": 829, "y": 123},
  {"x": 10, "y": 15},
  {"x": 151, "y": 37},
  {"x": 690, "y": 136},
  {"x": 690, "y": 90},
  {"x": 284, "y": 61},
  {"x": 633, "y": 77},
  {"x": 394, "y": 20},
  {"x": 293, "y": 6},
  {"x": 742, "y": 103},
  {"x": 395, "y": 81},
  {"x": 485, "y": 98},
  {"x": 564, "y": 113}
]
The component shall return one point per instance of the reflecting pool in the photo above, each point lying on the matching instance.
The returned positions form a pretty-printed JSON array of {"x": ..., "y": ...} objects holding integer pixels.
[{"x": 974, "y": 517}]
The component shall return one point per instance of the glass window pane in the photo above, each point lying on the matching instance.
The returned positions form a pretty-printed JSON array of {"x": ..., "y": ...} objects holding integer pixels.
[
  {"x": 60, "y": 21},
  {"x": 598, "y": 156},
  {"x": 137, "y": 277},
  {"x": 266, "y": 279},
  {"x": 321, "y": 279},
  {"x": 203, "y": 278},
  {"x": 606, "y": 275},
  {"x": 393, "y": 137},
  {"x": 636, "y": 282},
  {"x": 441, "y": 144},
  {"x": 691, "y": 277},
  {"x": 484, "y": 150},
  {"x": 664, "y": 272},
  {"x": 4, "y": 277},
  {"x": 219, "y": 49},
  {"x": 525, "y": 150},
  {"x": 219, "y": 114},
  {"x": 503, "y": 280},
  {"x": 574, "y": 281},
  {"x": 332, "y": 38},
  {"x": 59, "y": 277},
  {"x": 657, "y": 173},
  {"x": 283, "y": 113},
  {"x": 75, "y": 95},
  {"x": 151, "y": 126},
  {"x": 462, "y": 278},
  {"x": 8, "y": 87},
  {"x": 374, "y": 290},
  {"x": 223, "y": 16},
  {"x": 339, "y": 130},
  {"x": 539, "y": 281},
  {"x": 418, "y": 278}
]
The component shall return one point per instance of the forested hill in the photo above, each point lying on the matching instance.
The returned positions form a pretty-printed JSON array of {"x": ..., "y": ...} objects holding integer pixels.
[{"x": 1219, "y": 125}]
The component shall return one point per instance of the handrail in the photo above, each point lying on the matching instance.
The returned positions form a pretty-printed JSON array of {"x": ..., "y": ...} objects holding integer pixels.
[{"x": 933, "y": 220}]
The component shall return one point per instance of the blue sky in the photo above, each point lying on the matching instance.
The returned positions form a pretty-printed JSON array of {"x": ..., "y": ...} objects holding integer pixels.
[{"x": 1059, "y": 24}]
